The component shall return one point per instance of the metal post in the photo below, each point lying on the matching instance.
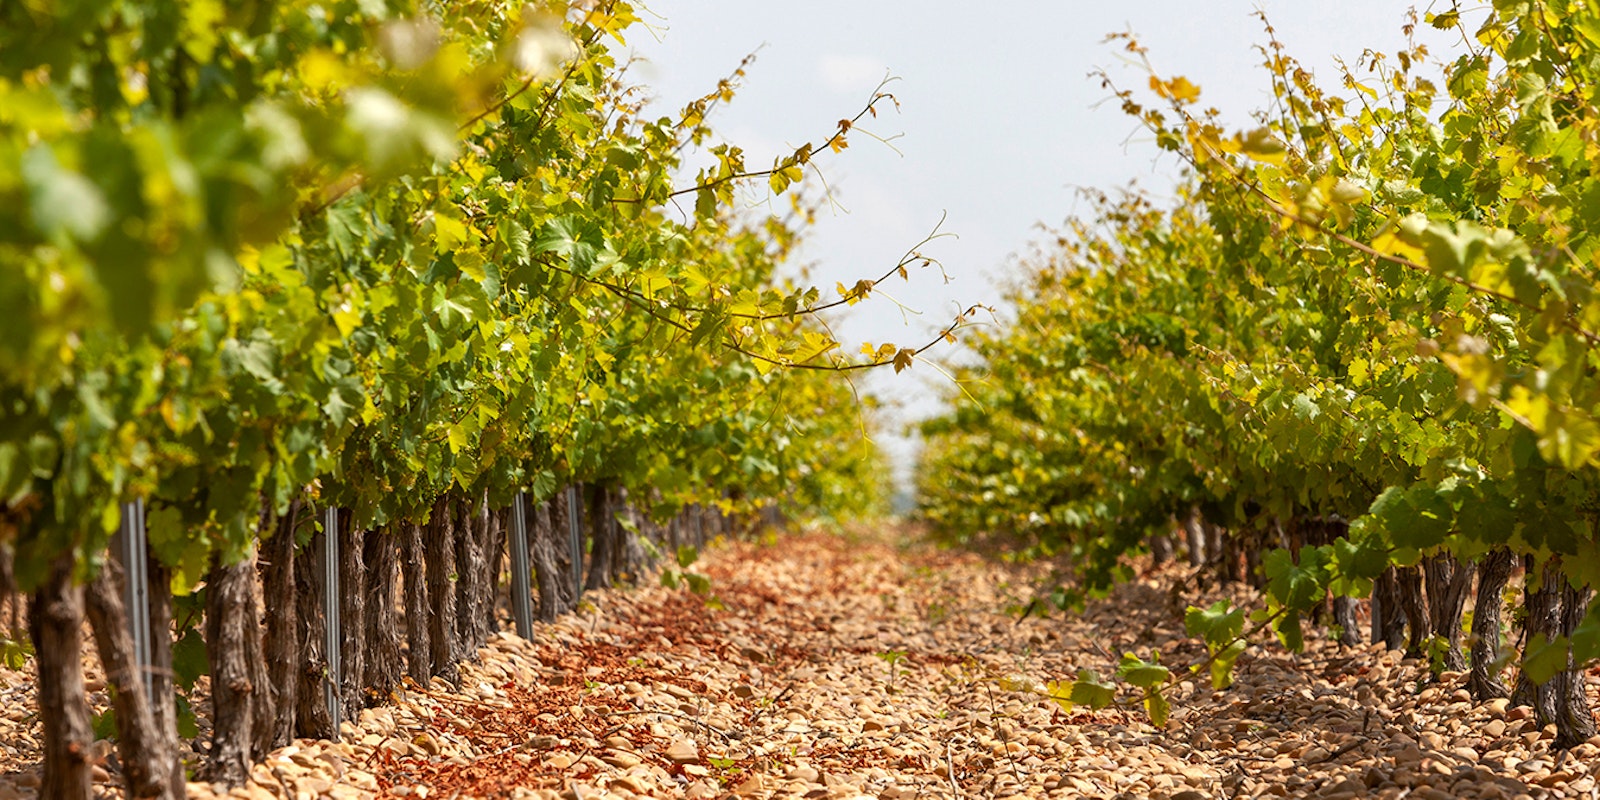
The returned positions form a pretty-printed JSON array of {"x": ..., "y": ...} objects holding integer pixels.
[
  {"x": 330, "y": 611},
  {"x": 130, "y": 547},
  {"x": 575, "y": 532},
  {"x": 521, "y": 584}
]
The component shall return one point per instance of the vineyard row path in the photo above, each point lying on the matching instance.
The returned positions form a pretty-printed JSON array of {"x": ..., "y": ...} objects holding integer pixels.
[{"x": 869, "y": 666}]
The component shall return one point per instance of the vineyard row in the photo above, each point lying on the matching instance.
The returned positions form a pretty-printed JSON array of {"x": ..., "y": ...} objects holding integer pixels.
[{"x": 325, "y": 620}]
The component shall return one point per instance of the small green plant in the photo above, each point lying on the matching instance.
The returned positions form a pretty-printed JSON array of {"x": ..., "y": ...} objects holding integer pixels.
[
  {"x": 1438, "y": 649},
  {"x": 893, "y": 659},
  {"x": 14, "y": 652},
  {"x": 674, "y": 577}
]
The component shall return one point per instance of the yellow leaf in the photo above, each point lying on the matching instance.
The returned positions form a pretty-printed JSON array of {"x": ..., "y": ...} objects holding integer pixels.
[
  {"x": 321, "y": 71},
  {"x": 902, "y": 359},
  {"x": 448, "y": 233},
  {"x": 1390, "y": 243},
  {"x": 1061, "y": 692},
  {"x": 1358, "y": 372},
  {"x": 346, "y": 319},
  {"x": 458, "y": 438},
  {"x": 1179, "y": 89},
  {"x": 1261, "y": 145}
]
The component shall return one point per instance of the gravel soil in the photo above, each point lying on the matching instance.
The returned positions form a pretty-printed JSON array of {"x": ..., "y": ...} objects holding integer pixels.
[{"x": 862, "y": 666}]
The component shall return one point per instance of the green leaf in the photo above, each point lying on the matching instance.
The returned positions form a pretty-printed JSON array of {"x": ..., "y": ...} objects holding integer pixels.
[
  {"x": 1141, "y": 673},
  {"x": 189, "y": 659},
  {"x": 104, "y": 725},
  {"x": 1586, "y": 637},
  {"x": 1089, "y": 690},
  {"x": 705, "y": 204},
  {"x": 1543, "y": 658},
  {"x": 1289, "y": 633},
  {"x": 1297, "y": 586},
  {"x": 343, "y": 401},
  {"x": 13, "y": 653},
  {"x": 687, "y": 554},
  {"x": 1216, "y": 625},
  {"x": 1222, "y": 665},
  {"x": 576, "y": 240},
  {"x": 188, "y": 724},
  {"x": 1414, "y": 518},
  {"x": 257, "y": 358},
  {"x": 1367, "y": 559},
  {"x": 64, "y": 205}
]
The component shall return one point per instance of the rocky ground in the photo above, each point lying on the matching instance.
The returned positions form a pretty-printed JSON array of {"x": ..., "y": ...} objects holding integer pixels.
[{"x": 863, "y": 667}]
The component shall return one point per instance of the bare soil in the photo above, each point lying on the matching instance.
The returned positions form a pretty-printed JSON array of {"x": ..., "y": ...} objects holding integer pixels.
[{"x": 864, "y": 666}]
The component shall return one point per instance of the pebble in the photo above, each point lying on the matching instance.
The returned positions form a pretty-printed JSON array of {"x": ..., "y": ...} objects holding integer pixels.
[{"x": 683, "y": 751}]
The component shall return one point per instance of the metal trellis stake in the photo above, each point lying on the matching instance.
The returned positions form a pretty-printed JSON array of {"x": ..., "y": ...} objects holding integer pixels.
[
  {"x": 131, "y": 548},
  {"x": 330, "y": 610},
  {"x": 521, "y": 585},
  {"x": 575, "y": 531}
]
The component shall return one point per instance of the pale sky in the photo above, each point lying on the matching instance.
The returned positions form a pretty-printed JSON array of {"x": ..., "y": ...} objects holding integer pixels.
[{"x": 999, "y": 121}]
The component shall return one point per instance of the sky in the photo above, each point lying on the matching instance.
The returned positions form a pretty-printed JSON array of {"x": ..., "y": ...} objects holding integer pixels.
[{"x": 1000, "y": 123}]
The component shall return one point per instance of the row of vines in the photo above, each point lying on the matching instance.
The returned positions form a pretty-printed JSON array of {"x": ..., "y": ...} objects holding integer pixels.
[
  {"x": 1356, "y": 359},
  {"x": 406, "y": 260}
]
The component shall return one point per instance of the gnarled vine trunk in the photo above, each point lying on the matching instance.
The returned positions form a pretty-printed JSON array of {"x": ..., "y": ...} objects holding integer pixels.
[
  {"x": 230, "y": 591},
  {"x": 542, "y": 552},
  {"x": 262, "y": 708},
  {"x": 311, "y": 719},
  {"x": 55, "y": 621},
  {"x": 1574, "y": 718},
  {"x": 1194, "y": 531},
  {"x": 413, "y": 561},
  {"x": 1414, "y": 606},
  {"x": 164, "y": 695},
  {"x": 383, "y": 662},
  {"x": 1448, "y": 580},
  {"x": 471, "y": 614},
  {"x": 1541, "y": 599},
  {"x": 1325, "y": 531},
  {"x": 494, "y": 565},
  {"x": 8, "y": 588},
  {"x": 281, "y": 646},
  {"x": 145, "y": 751},
  {"x": 1388, "y": 618},
  {"x": 1160, "y": 549},
  {"x": 568, "y": 560},
  {"x": 439, "y": 549},
  {"x": 352, "y": 615},
  {"x": 627, "y": 546},
  {"x": 600, "y": 524},
  {"x": 1493, "y": 572}
]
